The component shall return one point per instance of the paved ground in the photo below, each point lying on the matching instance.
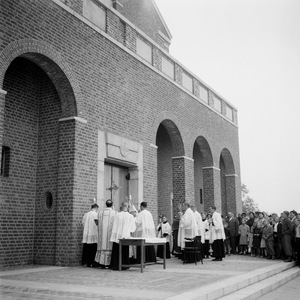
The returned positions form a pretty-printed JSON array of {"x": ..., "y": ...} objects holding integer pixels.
[
  {"x": 290, "y": 290},
  {"x": 57, "y": 283}
]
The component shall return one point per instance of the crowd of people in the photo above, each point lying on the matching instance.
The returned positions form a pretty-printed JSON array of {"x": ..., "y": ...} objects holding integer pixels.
[
  {"x": 255, "y": 234},
  {"x": 268, "y": 236}
]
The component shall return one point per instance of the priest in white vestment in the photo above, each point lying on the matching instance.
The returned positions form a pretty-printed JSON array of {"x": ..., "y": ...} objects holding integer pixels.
[
  {"x": 200, "y": 224},
  {"x": 217, "y": 234},
  {"x": 145, "y": 228},
  {"x": 187, "y": 226},
  {"x": 90, "y": 236},
  {"x": 124, "y": 225},
  {"x": 106, "y": 219}
]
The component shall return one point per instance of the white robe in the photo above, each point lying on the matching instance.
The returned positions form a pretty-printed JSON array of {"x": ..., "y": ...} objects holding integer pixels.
[
  {"x": 90, "y": 229},
  {"x": 106, "y": 219},
  {"x": 123, "y": 225},
  {"x": 145, "y": 225},
  {"x": 187, "y": 227},
  {"x": 200, "y": 225},
  {"x": 165, "y": 228},
  {"x": 216, "y": 228},
  {"x": 206, "y": 230}
]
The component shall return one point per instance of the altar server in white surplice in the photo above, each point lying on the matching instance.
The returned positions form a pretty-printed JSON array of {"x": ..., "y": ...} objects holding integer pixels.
[
  {"x": 124, "y": 225},
  {"x": 90, "y": 236},
  {"x": 106, "y": 219},
  {"x": 200, "y": 224},
  {"x": 187, "y": 226},
  {"x": 217, "y": 234},
  {"x": 145, "y": 228},
  {"x": 164, "y": 231}
]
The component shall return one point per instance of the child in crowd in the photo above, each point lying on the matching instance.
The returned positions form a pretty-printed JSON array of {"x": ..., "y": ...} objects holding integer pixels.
[
  {"x": 263, "y": 249},
  {"x": 267, "y": 236},
  {"x": 256, "y": 239},
  {"x": 244, "y": 230},
  {"x": 164, "y": 231}
]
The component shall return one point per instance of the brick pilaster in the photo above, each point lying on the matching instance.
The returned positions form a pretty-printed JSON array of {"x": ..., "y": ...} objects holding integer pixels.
[
  {"x": 211, "y": 188},
  {"x": 68, "y": 233},
  {"x": 183, "y": 180},
  {"x": 231, "y": 192}
]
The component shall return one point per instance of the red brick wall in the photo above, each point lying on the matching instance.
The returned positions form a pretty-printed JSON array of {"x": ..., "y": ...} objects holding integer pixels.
[
  {"x": 46, "y": 177},
  {"x": 115, "y": 93},
  {"x": 21, "y": 135},
  {"x": 142, "y": 14},
  {"x": 223, "y": 187},
  {"x": 164, "y": 170},
  {"x": 198, "y": 177}
]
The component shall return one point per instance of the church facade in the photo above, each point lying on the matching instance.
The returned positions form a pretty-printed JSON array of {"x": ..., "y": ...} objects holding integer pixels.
[{"x": 93, "y": 106}]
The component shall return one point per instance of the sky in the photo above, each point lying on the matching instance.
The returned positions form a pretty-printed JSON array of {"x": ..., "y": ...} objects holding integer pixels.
[{"x": 248, "y": 51}]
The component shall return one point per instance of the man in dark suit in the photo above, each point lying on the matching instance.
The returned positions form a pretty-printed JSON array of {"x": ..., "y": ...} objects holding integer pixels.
[
  {"x": 233, "y": 231},
  {"x": 287, "y": 232}
]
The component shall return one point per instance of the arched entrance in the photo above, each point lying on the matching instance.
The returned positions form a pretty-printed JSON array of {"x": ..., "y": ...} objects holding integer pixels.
[
  {"x": 38, "y": 95},
  {"x": 170, "y": 168},
  {"x": 202, "y": 159},
  {"x": 228, "y": 182}
]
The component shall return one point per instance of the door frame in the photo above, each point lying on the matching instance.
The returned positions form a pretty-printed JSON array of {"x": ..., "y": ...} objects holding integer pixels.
[{"x": 120, "y": 151}]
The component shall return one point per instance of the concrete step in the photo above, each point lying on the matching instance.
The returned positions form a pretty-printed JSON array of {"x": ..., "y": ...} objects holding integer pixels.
[
  {"x": 228, "y": 287},
  {"x": 255, "y": 291}
]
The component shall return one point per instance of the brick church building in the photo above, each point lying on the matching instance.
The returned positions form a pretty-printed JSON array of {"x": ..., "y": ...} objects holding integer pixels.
[{"x": 93, "y": 105}]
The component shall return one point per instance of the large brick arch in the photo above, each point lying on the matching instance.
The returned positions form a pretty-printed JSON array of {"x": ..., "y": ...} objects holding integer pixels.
[
  {"x": 205, "y": 151},
  {"x": 228, "y": 182},
  {"x": 174, "y": 129},
  {"x": 53, "y": 64},
  {"x": 228, "y": 162}
]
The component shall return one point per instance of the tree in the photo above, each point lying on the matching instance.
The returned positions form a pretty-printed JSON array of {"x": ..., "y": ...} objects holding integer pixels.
[{"x": 249, "y": 204}]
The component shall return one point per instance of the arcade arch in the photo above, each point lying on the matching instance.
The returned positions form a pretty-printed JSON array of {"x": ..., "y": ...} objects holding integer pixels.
[
  {"x": 38, "y": 95},
  {"x": 202, "y": 159},
  {"x": 170, "y": 168},
  {"x": 228, "y": 182}
]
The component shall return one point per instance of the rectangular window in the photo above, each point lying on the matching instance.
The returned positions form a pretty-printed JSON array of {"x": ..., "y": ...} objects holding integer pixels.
[
  {"x": 5, "y": 158},
  {"x": 144, "y": 50},
  {"x": 229, "y": 113},
  {"x": 187, "y": 82},
  {"x": 167, "y": 67},
  {"x": 96, "y": 14},
  {"x": 203, "y": 94},
  {"x": 217, "y": 104}
]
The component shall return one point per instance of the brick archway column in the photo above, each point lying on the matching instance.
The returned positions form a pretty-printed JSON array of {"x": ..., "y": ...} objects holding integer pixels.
[
  {"x": 212, "y": 188},
  {"x": 2, "y": 109},
  {"x": 183, "y": 181},
  {"x": 231, "y": 188},
  {"x": 70, "y": 177}
]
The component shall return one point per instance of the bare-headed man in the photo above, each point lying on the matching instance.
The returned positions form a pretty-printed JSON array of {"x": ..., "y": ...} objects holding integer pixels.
[
  {"x": 145, "y": 228},
  {"x": 90, "y": 236},
  {"x": 217, "y": 235},
  {"x": 200, "y": 223},
  {"x": 123, "y": 226},
  {"x": 187, "y": 228}
]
